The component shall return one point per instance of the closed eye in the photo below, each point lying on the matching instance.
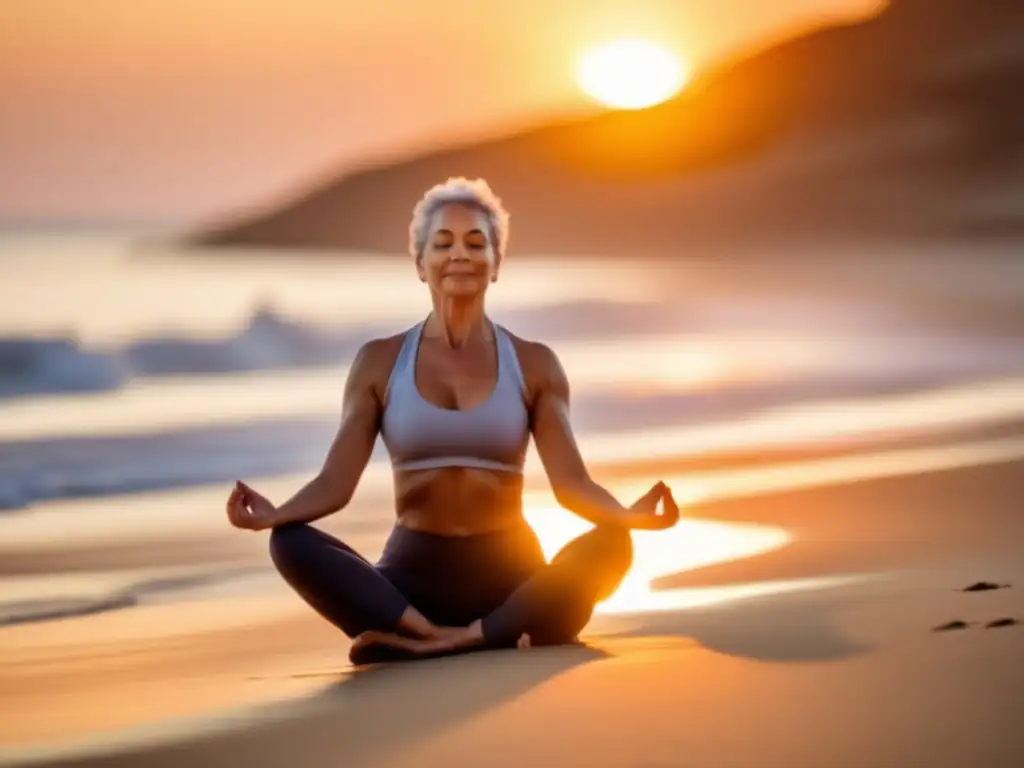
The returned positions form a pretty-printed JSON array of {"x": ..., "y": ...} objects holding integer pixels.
[{"x": 476, "y": 240}]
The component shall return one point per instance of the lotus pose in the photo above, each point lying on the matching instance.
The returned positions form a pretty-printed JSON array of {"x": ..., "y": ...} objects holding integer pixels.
[{"x": 455, "y": 399}]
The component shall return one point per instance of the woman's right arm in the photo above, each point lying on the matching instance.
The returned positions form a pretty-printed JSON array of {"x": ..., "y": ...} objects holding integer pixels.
[{"x": 333, "y": 486}]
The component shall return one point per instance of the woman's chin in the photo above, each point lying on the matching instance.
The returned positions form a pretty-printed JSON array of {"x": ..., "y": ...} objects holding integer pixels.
[{"x": 462, "y": 288}]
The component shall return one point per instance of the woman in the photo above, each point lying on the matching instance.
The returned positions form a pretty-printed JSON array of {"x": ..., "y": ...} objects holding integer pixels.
[{"x": 455, "y": 400}]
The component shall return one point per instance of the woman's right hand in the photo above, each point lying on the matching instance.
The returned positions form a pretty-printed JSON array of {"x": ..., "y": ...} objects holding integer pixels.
[
  {"x": 644, "y": 512},
  {"x": 250, "y": 510}
]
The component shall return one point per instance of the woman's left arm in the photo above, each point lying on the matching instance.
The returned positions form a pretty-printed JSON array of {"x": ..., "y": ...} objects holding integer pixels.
[{"x": 571, "y": 482}]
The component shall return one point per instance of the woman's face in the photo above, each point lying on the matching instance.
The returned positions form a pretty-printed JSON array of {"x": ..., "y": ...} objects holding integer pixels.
[{"x": 458, "y": 258}]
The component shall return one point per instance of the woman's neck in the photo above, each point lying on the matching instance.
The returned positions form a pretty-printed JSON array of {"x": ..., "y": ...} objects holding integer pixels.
[{"x": 459, "y": 320}]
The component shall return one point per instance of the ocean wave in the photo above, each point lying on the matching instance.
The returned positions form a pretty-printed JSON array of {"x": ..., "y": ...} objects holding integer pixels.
[
  {"x": 48, "y": 366},
  {"x": 134, "y": 594},
  {"x": 34, "y": 470},
  {"x": 80, "y": 467},
  {"x": 54, "y": 365},
  {"x": 270, "y": 341}
]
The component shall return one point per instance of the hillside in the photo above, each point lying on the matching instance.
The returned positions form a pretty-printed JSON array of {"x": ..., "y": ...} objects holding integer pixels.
[{"x": 907, "y": 124}]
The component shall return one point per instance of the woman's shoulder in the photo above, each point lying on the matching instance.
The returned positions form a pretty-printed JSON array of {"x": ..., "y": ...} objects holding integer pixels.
[
  {"x": 377, "y": 356},
  {"x": 538, "y": 360}
]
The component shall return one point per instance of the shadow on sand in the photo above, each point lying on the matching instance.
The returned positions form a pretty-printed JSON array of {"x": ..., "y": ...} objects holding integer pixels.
[
  {"x": 780, "y": 628},
  {"x": 361, "y": 717},
  {"x": 366, "y": 715}
]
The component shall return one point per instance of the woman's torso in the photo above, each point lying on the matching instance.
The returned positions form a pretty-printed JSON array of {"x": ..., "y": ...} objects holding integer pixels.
[{"x": 456, "y": 425}]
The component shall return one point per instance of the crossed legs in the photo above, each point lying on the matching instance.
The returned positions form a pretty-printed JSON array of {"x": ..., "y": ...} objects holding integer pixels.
[{"x": 550, "y": 607}]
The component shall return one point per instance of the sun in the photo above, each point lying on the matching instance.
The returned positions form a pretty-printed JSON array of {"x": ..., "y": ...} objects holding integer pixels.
[{"x": 631, "y": 74}]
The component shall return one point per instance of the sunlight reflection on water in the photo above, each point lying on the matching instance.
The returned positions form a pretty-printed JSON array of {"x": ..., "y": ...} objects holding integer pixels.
[
  {"x": 692, "y": 544},
  {"x": 689, "y": 544}
]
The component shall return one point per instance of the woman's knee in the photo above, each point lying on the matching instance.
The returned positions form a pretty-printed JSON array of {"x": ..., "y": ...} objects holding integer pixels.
[
  {"x": 615, "y": 545},
  {"x": 288, "y": 544},
  {"x": 610, "y": 561}
]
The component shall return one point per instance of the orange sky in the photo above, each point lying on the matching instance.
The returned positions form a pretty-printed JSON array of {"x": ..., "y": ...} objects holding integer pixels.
[{"x": 175, "y": 110}]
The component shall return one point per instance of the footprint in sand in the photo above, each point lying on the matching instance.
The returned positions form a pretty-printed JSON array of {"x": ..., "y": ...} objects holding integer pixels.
[
  {"x": 951, "y": 626},
  {"x": 978, "y": 586},
  {"x": 957, "y": 624},
  {"x": 984, "y": 586}
]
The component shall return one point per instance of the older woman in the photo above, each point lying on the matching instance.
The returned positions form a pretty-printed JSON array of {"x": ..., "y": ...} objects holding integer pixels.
[{"x": 455, "y": 399}]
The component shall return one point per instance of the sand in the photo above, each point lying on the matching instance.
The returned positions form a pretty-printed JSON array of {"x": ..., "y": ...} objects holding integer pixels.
[{"x": 826, "y": 673}]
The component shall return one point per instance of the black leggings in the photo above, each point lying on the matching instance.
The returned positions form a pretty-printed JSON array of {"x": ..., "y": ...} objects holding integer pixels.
[{"x": 500, "y": 578}]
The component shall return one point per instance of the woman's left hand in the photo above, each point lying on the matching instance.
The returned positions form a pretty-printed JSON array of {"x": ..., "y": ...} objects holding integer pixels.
[{"x": 644, "y": 512}]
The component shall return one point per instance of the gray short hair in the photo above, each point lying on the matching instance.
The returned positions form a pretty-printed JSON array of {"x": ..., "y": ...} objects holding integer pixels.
[{"x": 474, "y": 193}]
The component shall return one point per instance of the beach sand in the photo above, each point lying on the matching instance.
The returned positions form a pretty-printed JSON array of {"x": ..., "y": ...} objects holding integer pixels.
[{"x": 833, "y": 673}]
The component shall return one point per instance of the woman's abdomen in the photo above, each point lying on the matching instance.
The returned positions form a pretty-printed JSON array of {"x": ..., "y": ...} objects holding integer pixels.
[{"x": 458, "y": 501}]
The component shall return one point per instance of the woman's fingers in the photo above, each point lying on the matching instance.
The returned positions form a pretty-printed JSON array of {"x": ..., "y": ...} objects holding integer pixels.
[
  {"x": 237, "y": 513},
  {"x": 248, "y": 509},
  {"x": 650, "y": 499},
  {"x": 233, "y": 498},
  {"x": 250, "y": 493},
  {"x": 669, "y": 507}
]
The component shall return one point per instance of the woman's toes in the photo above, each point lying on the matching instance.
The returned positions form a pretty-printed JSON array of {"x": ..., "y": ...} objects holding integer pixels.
[
  {"x": 366, "y": 638},
  {"x": 523, "y": 641}
]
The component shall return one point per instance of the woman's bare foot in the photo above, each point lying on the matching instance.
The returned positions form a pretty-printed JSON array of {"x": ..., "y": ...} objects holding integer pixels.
[
  {"x": 413, "y": 645},
  {"x": 443, "y": 639},
  {"x": 415, "y": 624},
  {"x": 523, "y": 641}
]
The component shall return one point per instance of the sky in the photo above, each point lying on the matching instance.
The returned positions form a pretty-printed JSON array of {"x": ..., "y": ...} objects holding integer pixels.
[{"x": 179, "y": 111}]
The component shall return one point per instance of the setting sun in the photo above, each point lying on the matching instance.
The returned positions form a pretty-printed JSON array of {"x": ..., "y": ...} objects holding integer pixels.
[{"x": 630, "y": 74}]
